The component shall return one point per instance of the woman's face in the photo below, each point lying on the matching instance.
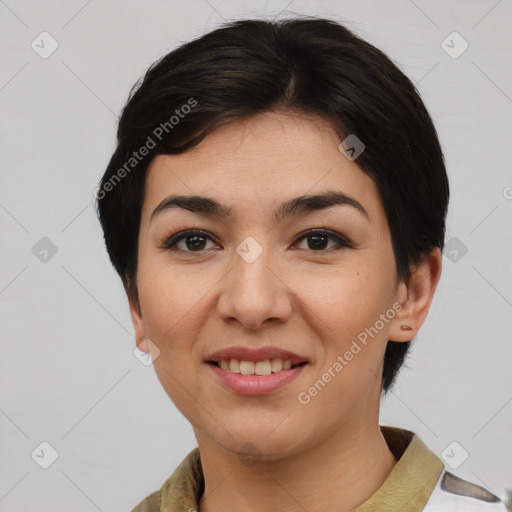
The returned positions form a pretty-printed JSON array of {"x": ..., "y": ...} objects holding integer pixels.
[{"x": 254, "y": 278}]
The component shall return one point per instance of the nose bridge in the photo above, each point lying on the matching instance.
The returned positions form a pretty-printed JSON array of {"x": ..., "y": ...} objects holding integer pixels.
[{"x": 253, "y": 291}]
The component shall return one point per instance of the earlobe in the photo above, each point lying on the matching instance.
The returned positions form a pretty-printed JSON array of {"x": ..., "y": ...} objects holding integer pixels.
[
  {"x": 415, "y": 297},
  {"x": 143, "y": 344}
]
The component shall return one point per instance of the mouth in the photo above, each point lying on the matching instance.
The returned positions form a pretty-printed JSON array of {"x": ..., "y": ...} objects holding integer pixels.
[
  {"x": 256, "y": 377},
  {"x": 260, "y": 368}
]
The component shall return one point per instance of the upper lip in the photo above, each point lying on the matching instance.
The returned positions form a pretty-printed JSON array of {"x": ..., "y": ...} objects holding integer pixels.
[{"x": 259, "y": 354}]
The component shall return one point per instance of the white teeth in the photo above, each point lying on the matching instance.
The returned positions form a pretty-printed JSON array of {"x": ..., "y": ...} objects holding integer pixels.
[
  {"x": 234, "y": 366},
  {"x": 247, "y": 367},
  {"x": 276, "y": 365},
  {"x": 265, "y": 367}
]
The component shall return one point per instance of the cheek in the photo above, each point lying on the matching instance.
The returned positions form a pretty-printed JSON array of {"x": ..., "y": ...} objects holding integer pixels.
[
  {"x": 345, "y": 301},
  {"x": 170, "y": 299},
  {"x": 171, "y": 305},
  {"x": 344, "y": 310}
]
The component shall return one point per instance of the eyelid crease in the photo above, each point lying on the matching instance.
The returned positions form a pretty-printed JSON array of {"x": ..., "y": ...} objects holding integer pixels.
[
  {"x": 170, "y": 241},
  {"x": 178, "y": 234}
]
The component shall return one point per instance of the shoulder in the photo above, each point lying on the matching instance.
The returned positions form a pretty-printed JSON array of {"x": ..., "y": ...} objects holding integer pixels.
[
  {"x": 180, "y": 491},
  {"x": 453, "y": 494},
  {"x": 149, "y": 504}
]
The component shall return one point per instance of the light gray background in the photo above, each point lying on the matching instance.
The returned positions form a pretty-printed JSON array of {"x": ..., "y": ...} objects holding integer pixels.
[{"x": 68, "y": 373}]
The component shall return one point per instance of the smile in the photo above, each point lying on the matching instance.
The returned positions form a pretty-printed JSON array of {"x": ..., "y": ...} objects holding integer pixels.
[
  {"x": 252, "y": 383},
  {"x": 265, "y": 367}
]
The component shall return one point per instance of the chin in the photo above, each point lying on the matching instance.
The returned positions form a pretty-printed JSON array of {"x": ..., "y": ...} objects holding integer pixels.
[{"x": 261, "y": 443}]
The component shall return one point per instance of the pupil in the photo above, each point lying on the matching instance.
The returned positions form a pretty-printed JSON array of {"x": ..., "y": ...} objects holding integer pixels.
[
  {"x": 316, "y": 244},
  {"x": 197, "y": 241}
]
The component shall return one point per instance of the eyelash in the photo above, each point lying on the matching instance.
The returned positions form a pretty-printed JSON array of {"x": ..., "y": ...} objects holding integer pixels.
[{"x": 170, "y": 242}]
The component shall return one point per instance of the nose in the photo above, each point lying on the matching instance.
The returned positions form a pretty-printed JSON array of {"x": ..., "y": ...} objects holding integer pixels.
[{"x": 253, "y": 293}]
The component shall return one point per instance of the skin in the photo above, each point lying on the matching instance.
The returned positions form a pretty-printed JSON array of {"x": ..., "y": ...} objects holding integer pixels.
[{"x": 328, "y": 454}]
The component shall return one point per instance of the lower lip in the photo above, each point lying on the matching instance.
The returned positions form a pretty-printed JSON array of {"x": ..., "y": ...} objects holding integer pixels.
[{"x": 256, "y": 384}]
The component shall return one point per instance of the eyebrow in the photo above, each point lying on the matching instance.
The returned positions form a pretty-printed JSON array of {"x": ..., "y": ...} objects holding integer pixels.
[{"x": 291, "y": 208}]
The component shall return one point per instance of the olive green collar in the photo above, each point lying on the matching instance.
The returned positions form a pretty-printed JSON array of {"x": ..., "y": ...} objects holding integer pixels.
[
  {"x": 407, "y": 487},
  {"x": 412, "y": 480}
]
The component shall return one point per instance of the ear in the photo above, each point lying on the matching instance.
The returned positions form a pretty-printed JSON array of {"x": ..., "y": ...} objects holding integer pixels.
[
  {"x": 138, "y": 326},
  {"x": 416, "y": 296}
]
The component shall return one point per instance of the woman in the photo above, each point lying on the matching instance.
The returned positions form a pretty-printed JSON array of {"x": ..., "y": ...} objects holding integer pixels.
[{"x": 276, "y": 211}]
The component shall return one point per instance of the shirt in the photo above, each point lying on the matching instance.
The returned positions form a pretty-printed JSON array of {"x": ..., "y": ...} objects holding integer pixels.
[{"x": 419, "y": 481}]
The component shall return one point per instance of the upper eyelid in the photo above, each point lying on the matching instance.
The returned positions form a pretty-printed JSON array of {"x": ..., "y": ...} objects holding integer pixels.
[
  {"x": 338, "y": 237},
  {"x": 180, "y": 235}
]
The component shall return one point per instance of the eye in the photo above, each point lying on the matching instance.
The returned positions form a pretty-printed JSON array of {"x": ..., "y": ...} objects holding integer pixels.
[
  {"x": 195, "y": 240},
  {"x": 188, "y": 241},
  {"x": 317, "y": 240}
]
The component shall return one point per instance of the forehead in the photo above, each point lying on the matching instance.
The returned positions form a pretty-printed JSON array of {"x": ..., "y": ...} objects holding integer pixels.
[{"x": 258, "y": 162}]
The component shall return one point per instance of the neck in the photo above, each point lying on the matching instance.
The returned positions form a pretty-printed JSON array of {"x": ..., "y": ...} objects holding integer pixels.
[{"x": 339, "y": 474}]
